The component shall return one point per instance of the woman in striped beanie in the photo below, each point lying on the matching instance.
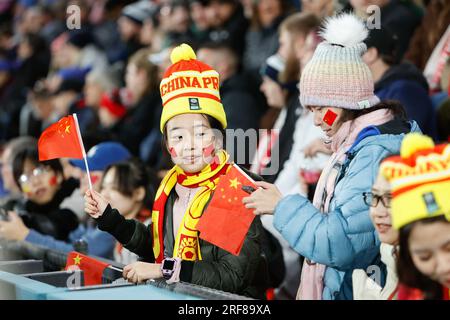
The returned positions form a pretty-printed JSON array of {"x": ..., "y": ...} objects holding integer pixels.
[{"x": 338, "y": 88}]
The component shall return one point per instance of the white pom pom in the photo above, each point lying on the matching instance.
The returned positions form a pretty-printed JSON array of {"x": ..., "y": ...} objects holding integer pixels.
[{"x": 346, "y": 30}]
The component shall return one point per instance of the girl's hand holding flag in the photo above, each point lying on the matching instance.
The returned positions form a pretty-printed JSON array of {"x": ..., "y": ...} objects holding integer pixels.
[{"x": 95, "y": 204}]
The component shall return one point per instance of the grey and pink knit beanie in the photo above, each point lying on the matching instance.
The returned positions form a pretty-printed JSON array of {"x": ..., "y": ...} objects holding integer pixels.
[{"x": 336, "y": 76}]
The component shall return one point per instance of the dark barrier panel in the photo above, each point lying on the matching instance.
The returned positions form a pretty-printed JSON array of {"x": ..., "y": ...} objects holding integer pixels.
[{"x": 55, "y": 261}]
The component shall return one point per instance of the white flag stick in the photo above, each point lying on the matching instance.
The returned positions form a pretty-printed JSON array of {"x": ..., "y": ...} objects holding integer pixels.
[
  {"x": 83, "y": 151},
  {"x": 243, "y": 173}
]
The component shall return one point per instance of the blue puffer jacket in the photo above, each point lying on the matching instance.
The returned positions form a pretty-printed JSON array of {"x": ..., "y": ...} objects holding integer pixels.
[{"x": 334, "y": 239}]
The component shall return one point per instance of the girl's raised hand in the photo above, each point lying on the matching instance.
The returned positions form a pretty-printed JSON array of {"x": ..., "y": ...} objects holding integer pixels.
[{"x": 94, "y": 203}]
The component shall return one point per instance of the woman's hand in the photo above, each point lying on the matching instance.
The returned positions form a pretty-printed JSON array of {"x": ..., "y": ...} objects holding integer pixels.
[
  {"x": 139, "y": 272},
  {"x": 263, "y": 200},
  {"x": 14, "y": 228},
  {"x": 315, "y": 147},
  {"x": 94, "y": 203}
]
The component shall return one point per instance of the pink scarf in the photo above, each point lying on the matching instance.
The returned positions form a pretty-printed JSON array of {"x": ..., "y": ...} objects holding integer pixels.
[{"x": 311, "y": 281}]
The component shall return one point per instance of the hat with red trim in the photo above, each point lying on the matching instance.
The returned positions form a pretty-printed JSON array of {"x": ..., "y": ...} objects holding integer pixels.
[
  {"x": 190, "y": 86},
  {"x": 419, "y": 179}
]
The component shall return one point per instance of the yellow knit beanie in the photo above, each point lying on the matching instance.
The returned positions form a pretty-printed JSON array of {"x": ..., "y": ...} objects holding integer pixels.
[
  {"x": 420, "y": 180},
  {"x": 190, "y": 86}
]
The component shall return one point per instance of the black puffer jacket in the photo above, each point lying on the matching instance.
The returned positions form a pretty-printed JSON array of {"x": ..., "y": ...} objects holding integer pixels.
[
  {"x": 246, "y": 274},
  {"x": 48, "y": 219}
]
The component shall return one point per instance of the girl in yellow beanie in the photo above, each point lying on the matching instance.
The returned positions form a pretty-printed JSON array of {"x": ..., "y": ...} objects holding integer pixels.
[
  {"x": 192, "y": 123},
  {"x": 420, "y": 182}
]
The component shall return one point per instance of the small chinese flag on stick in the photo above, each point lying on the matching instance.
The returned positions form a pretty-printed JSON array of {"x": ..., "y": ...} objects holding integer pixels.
[
  {"x": 92, "y": 268},
  {"x": 63, "y": 140},
  {"x": 226, "y": 220},
  {"x": 60, "y": 140}
]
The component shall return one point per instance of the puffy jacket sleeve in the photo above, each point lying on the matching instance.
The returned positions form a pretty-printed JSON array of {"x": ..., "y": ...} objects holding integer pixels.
[{"x": 334, "y": 238}]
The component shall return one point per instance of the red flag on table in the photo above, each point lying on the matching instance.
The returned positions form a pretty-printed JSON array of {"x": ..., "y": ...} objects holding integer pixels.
[
  {"x": 226, "y": 220},
  {"x": 92, "y": 268},
  {"x": 60, "y": 140}
]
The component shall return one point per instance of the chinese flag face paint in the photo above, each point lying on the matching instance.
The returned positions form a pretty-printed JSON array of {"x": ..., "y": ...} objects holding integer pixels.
[
  {"x": 53, "y": 181},
  {"x": 172, "y": 152},
  {"x": 94, "y": 178},
  {"x": 208, "y": 150},
  {"x": 330, "y": 117}
]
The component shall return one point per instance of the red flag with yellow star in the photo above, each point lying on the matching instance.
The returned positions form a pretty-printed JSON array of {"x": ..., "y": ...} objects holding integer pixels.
[
  {"x": 92, "y": 268},
  {"x": 226, "y": 220},
  {"x": 60, "y": 140}
]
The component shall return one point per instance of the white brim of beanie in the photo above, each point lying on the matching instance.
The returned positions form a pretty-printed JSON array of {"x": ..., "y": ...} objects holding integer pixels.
[{"x": 364, "y": 103}]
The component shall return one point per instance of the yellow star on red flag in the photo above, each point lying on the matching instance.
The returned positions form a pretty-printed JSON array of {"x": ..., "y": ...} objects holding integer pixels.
[
  {"x": 77, "y": 259},
  {"x": 234, "y": 183}
]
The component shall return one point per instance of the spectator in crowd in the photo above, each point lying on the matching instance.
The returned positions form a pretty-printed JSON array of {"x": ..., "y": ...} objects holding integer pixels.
[
  {"x": 151, "y": 33},
  {"x": 426, "y": 37},
  {"x": 242, "y": 106},
  {"x": 145, "y": 106},
  {"x": 296, "y": 30},
  {"x": 419, "y": 179},
  {"x": 130, "y": 26},
  {"x": 321, "y": 8},
  {"x": 127, "y": 187},
  {"x": 216, "y": 268},
  {"x": 8, "y": 101},
  {"x": 200, "y": 20},
  {"x": 399, "y": 81},
  {"x": 262, "y": 37},
  {"x": 97, "y": 83},
  {"x": 44, "y": 188},
  {"x": 55, "y": 16},
  {"x": 334, "y": 228},
  {"x": 67, "y": 99},
  {"x": 34, "y": 60},
  {"x": 107, "y": 31},
  {"x": 373, "y": 275},
  {"x": 227, "y": 24},
  {"x": 401, "y": 17},
  {"x": 9, "y": 152},
  {"x": 32, "y": 64},
  {"x": 99, "y": 243},
  {"x": 80, "y": 50},
  {"x": 176, "y": 22},
  {"x": 111, "y": 110},
  {"x": 99, "y": 157},
  {"x": 38, "y": 112},
  {"x": 267, "y": 156},
  {"x": 297, "y": 27},
  {"x": 293, "y": 32},
  {"x": 32, "y": 20}
]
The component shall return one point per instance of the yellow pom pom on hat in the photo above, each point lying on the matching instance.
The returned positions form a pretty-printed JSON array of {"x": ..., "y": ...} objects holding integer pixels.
[
  {"x": 419, "y": 179},
  {"x": 190, "y": 86}
]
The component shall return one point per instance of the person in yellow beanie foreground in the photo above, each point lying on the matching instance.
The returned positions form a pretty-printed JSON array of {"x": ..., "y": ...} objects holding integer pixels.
[
  {"x": 192, "y": 122},
  {"x": 420, "y": 184}
]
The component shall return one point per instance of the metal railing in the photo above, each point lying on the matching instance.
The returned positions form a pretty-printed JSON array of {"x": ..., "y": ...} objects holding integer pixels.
[{"x": 56, "y": 260}]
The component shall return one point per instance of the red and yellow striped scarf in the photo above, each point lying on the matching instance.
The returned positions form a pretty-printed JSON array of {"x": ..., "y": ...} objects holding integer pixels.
[{"x": 186, "y": 243}]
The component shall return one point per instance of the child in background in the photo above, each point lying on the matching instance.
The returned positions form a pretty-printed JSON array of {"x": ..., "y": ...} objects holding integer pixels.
[
  {"x": 99, "y": 243},
  {"x": 44, "y": 189},
  {"x": 127, "y": 187}
]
